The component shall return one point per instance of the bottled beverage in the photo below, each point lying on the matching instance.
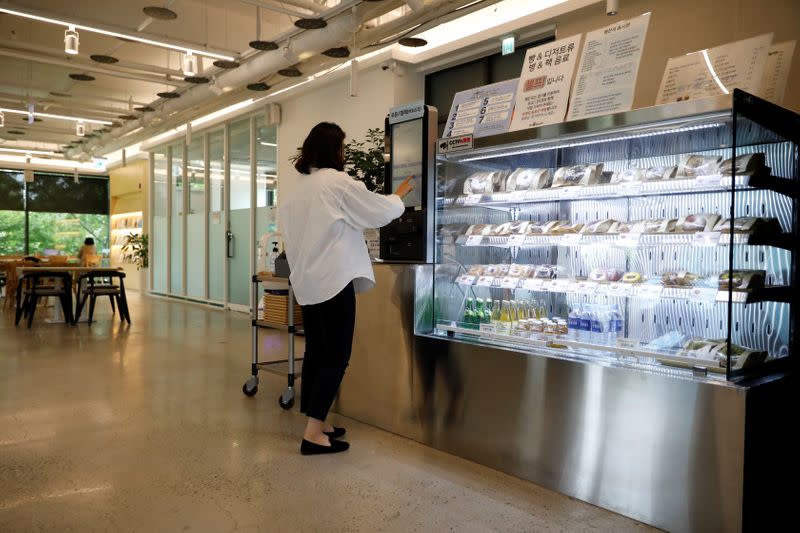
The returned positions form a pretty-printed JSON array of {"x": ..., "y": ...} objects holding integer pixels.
[
  {"x": 615, "y": 326},
  {"x": 469, "y": 314},
  {"x": 585, "y": 331},
  {"x": 495, "y": 311},
  {"x": 574, "y": 322},
  {"x": 488, "y": 310},
  {"x": 478, "y": 311},
  {"x": 512, "y": 305},
  {"x": 504, "y": 325}
]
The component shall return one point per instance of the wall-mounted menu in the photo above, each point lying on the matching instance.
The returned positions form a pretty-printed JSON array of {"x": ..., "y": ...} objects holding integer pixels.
[
  {"x": 776, "y": 71},
  {"x": 716, "y": 71},
  {"x": 482, "y": 111},
  {"x": 543, "y": 91},
  {"x": 607, "y": 71}
]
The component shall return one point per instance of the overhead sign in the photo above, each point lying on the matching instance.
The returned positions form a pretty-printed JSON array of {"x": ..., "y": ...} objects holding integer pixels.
[
  {"x": 482, "y": 111},
  {"x": 508, "y": 46},
  {"x": 406, "y": 112},
  {"x": 716, "y": 71},
  {"x": 543, "y": 90},
  {"x": 607, "y": 71},
  {"x": 776, "y": 71},
  {"x": 448, "y": 145}
]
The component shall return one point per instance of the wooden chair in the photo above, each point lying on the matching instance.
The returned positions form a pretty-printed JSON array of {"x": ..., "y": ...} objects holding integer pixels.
[
  {"x": 12, "y": 280},
  {"x": 101, "y": 283},
  {"x": 58, "y": 260},
  {"x": 40, "y": 284}
]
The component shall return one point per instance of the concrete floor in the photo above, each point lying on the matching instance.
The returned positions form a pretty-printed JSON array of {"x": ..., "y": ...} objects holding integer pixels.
[{"x": 145, "y": 428}]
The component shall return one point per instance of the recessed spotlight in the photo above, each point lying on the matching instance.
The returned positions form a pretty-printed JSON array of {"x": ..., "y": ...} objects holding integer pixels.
[
  {"x": 169, "y": 94},
  {"x": 71, "y": 41},
  {"x": 263, "y": 45},
  {"x": 196, "y": 79},
  {"x": 222, "y": 63},
  {"x": 310, "y": 24},
  {"x": 99, "y": 58},
  {"x": 412, "y": 42},
  {"x": 260, "y": 86},
  {"x": 81, "y": 77},
  {"x": 189, "y": 64},
  {"x": 160, "y": 13},
  {"x": 144, "y": 109},
  {"x": 341, "y": 51},
  {"x": 291, "y": 72}
]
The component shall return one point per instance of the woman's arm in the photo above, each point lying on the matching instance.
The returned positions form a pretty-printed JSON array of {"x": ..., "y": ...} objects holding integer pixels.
[{"x": 363, "y": 209}]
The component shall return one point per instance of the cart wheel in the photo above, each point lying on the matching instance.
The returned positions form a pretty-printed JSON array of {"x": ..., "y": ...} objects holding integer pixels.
[
  {"x": 286, "y": 400},
  {"x": 250, "y": 387}
]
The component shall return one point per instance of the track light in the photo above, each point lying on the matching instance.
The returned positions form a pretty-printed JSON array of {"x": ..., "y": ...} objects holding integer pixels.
[
  {"x": 189, "y": 64},
  {"x": 80, "y": 129},
  {"x": 71, "y": 41},
  {"x": 612, "y": 7}
]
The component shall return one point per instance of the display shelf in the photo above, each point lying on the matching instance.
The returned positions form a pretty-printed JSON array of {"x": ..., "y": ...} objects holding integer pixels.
[{"x": 564, "y": 343}]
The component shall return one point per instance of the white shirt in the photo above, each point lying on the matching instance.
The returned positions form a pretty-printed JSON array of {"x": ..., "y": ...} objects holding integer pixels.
[{"x": 323, "y": 222}]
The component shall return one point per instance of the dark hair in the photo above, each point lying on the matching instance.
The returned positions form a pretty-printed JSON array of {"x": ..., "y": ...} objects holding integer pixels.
[
  {"x": 323, "y": 148},
  {"x": 88, "y": 241}
]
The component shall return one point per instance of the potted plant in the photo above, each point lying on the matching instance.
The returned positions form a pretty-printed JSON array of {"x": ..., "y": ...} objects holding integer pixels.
[
  {"x": 136, "y": 251},
  {"x": 364, "y": 161}
]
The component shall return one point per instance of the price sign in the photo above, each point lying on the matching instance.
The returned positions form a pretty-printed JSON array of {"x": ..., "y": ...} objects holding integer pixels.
[
  {"x": 629, "y": 188},
  {"x": 706, "y": 238},
  {"x": 629, "y": 240},
  {"x": 518, "y": 196},
  {"x": 619, "y": 289},
  {"x": 488, "y": 328},
  {"x": 649, "y": 291},
  {"x": 570, "y": 239},
  {"x": 474, "y": 240},
  {"x": 466, "y": 280},
  {"x": 707, "y": 181},
  {"x": 533, "y": 284},
  {"x": 473, "y": 199},
  {"x": 485, "y": 281},
  {"x": 516, "y": 240},
  {"x": 559, "y": 285},
  {"x": 509, "y": 282},
  {"x": 704, "y": 294},
  {"x": 587, "y": 287},
  {"x": 546, "y": 285},
  {"x": 676, "y": 293},
  {"x": 569, "y": 192}
]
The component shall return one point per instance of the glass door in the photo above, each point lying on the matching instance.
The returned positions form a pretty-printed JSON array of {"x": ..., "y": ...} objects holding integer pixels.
[
  {"x": 216, "y": 216},
  {"x": 196, "y": 219},
  {"x": 238, "y": 232},
  {"x": 176, "y": 252}
]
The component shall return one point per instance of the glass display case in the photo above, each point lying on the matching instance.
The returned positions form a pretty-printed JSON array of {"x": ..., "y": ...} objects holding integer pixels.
[{"x": 660, "y": 239}]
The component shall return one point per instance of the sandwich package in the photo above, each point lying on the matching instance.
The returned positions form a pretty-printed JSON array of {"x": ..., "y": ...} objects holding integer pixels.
[
  {"x": 480, "y": 229},
  {"x": 608, "y": 225},
  {"x": 578, "y": 175},
  {"x": 692, "y": 166},
  {"x": 749, "y": 225},
  {"x": 562, "y": 227},
  {"x": 628, "y": 176},
  {"x": 717, "y": 351},
  {"x": 606, "y": 274},
  {"x": 655, "y": 225},
  {"x": 742, "y": 280},
  {"x": 546, "y": 272},
  {"x": 660, "y": 173},
  {"x": 747, "y": 164},
  {"x": 528, "y": 179},
  {"x": 678, "y": 279},
  {"x": 518, "y": 227},
  {"x": 485, "y": 182},
  {"x": 695, "y": 223}
]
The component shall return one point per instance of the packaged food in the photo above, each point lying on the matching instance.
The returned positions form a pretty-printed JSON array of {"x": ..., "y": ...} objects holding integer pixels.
[
  {"x": 695, "y": 223},
  {"x": 605, "y": 274},
  {"x": 692, "y": 166},
  {"x": 632, "y": 277},
  {"x": 745, "y": 164},
  {"x": 546, "y": 271},
  {"x": 716, "y": 350},
  {"x": 502, "y": 270},
  {"x": 577, "y": 175},
  {"x": 480, "y": 229},
  {"x": 475, "y": 270},
  {"x": 660, "y": 173},
  {"x": 528, "y": 179},
  {"x": 742, "y": 279},
  {"x": 511, "y": 228},
  {"x": 608, "y": 225},
  {"x": 679, "y": 279},
  {"x": 478, "y": 183},
  {"x": 562, "y": 227},
  {"x": 628, "y": 176},
  {"x": 749, "y": 225},
  {"x": 491, "y": 270},
  {"x": 658, "y": 225},
  {"x": 515, "y": 270},
  {"x": 539, "y": 228}
]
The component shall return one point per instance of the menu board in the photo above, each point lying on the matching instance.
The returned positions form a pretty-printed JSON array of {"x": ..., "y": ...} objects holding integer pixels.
[
  {"x": 607, "y": 71},
  {"x": 482, "y": 111},
  {"x": 776, "y": 71},
  {"x": 543, "y": 91},
  {"x": 716, "y": 71}
]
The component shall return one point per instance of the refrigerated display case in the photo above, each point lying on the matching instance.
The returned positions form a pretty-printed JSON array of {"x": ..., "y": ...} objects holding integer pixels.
[{"x": 661, "y": 239}]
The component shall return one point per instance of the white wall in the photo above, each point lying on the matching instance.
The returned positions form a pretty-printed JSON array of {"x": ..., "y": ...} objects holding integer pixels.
[{"x": 378, "y": 91}]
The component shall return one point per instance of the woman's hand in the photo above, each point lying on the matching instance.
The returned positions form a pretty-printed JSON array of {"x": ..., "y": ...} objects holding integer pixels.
[{"x": 405, "y": 187}]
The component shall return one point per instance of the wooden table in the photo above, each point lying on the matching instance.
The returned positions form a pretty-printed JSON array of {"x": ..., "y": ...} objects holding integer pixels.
[{"x": 58, "y": 315}]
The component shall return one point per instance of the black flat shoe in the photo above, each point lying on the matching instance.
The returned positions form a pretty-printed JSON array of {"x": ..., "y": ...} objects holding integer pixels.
[
  {"x": 337, "y": 433},
  {"x": 310, "y": 448}
]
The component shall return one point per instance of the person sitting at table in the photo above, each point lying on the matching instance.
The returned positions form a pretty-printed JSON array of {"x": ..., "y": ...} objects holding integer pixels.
[{"x": 87, "y": 250}]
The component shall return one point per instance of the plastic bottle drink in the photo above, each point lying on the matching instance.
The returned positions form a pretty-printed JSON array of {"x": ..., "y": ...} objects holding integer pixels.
[
  {"x": 504, "y": 326},
  {"x": 478, "y": 311},
  {"x": 615, "y": 326},
  {"x": 496, "y": 312},
  {"x": 488, "y": 311},
  {"x": 514, "y": 313},
  {"x": 469, "y": 315},
  {"x": 585, "y": 331},
  {"x": 574, "y": 322},
  {"x": 596, "y": 334}
]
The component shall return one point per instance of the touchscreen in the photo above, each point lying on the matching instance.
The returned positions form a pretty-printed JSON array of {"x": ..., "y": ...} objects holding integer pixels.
[{"x": 407, "y": 158}]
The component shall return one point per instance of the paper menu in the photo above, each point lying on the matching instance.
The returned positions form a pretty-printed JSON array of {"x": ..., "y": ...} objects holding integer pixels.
[
  {"x": 543, "y": 92},
  {"x": 715, "y": 71},
  {"x": 482, "y": 111},
  {"x": 608, "y": 68},
  {"x": 776, "y": 71}
]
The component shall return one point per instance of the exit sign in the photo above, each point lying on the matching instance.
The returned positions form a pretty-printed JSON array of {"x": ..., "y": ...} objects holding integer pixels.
[{"x": 509, "y": 45}]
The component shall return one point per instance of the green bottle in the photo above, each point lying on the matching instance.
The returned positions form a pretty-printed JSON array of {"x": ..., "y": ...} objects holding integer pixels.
[{"x": 479, "y": 311}]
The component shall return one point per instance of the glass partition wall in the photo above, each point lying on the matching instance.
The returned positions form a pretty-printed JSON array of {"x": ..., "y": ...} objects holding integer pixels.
[{"x": 212, "y": 201}]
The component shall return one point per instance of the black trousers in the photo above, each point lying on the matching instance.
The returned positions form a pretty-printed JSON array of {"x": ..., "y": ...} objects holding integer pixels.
[{"x": 329, "y": 341}]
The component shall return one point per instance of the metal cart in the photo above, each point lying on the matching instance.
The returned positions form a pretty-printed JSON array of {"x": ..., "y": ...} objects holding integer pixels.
[{"x": 250, "y": 387}]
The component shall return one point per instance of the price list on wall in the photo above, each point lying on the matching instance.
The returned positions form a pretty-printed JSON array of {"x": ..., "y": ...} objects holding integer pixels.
[{"x": 482, "y": 111}]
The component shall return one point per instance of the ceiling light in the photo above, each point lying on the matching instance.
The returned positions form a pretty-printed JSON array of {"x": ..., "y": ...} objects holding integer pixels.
[
  {"x": 413, "y": 42},
  {"x": 120, "y": 35},
  {"x": 612, "y": 7},
  {"x": 189, "y": 64},
  {"x": 62, "y": 117},
  {"x": 71, "y": 41},
  {"x": 80, "y": 129},
  {"x": 29, "y": 152},
  {"x": 259, "y": 86},
  {"x": 160, "y": 13},
  {"x": 310, "y": 24}
]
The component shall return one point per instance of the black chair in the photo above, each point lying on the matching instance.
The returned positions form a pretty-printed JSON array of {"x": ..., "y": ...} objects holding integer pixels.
[
  {"x": 42, "y": 284},
  {"x": 101, "y": 283}
]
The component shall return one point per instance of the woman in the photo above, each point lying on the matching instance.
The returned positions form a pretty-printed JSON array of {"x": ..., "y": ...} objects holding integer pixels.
[
  {"x": 86, "y": 251},
  {"x": 322, "y": 223}
]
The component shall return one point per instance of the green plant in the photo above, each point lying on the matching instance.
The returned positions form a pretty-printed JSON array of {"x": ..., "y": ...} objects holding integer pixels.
[
  {"x": 363, "y": 160},
  {"x": 136, "y": 246}
]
